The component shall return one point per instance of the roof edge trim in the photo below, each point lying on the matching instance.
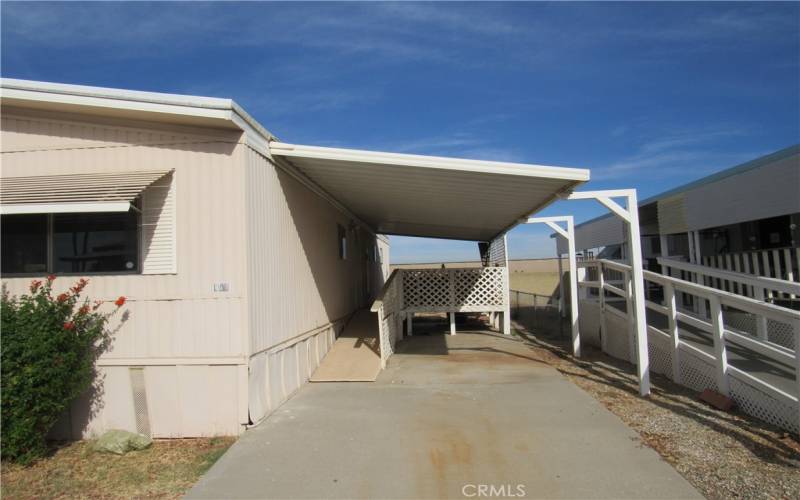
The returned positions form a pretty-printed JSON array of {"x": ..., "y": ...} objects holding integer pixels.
[
  {"x": 434, "y": 162},
  {"x": 155, "y": 102}
]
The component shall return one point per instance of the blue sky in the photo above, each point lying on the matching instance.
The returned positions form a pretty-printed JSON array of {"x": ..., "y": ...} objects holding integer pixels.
[{"x": 646, "y": 95}]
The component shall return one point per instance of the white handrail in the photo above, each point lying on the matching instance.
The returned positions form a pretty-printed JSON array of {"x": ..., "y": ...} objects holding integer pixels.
[
  {"x": 775, "y": 284},
  {"x": 720, "y": 334}
]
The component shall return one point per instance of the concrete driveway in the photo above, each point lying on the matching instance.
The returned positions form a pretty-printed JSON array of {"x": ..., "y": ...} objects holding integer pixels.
[{"x": 470, "y": 416}]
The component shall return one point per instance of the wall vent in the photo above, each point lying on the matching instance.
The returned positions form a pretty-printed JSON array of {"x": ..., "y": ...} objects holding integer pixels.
[{"x": 139, "y": 391}]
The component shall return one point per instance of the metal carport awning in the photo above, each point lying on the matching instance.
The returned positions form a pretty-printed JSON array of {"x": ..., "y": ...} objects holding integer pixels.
[
  {"x": 431, "y": 196},
  {"x": 74, "y": 193}
]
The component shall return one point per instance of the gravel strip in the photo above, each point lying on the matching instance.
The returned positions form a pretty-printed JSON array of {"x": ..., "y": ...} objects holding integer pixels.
[{"x": 723, "y": 454}]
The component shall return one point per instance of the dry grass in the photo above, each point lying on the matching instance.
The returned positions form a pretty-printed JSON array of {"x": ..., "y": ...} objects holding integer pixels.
[
  {"x": 722, "y": 454},
  {"x": 165, "y": 470}
]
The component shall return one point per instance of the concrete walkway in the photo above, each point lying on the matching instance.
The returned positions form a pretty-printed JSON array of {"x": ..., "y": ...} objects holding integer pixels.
[{"x": 469, "y": 416}]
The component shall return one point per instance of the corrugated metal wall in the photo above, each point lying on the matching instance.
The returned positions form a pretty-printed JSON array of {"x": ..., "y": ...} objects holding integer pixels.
[
  {"x": 672, "y": 214},
  {"x": 174, "y": 319},
  {"x": 602, "y": 232},
  {"x": 768, "y": 191}
]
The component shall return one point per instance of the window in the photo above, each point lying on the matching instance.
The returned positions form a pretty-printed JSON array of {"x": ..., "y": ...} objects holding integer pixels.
[
  {"x": 24, "y": 242},
  {"x": 95, "y": 243},
  {"x": 342, "y": 242},
  {"x": 70, "y": 243}
]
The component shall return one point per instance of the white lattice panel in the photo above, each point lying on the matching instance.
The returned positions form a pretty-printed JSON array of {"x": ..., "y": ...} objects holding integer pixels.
[
  {"x": 454, "y": 290},
  {"x": 763, "y": 406},
  {"x": 389, "y": 317},
  {"x": 696, "y": 373},
  {"x": 497, "y": 252},
  {"x": 479, "y": 287},
  {"x": 780, "y": 333},
  {"x": 741, "y": 321},
  {"x": 426, "y": 288},
  {"x": 660, "y": 354}
]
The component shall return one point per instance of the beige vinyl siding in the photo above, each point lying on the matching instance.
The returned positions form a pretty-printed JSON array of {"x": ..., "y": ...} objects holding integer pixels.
[
  {"x": 191, "y": 341},
  {"x": 210, "y": 208},
  {"x": 300, "y": 292},
  {"x": 297, "y": 281},
  {"x": 33, "y": 130}
]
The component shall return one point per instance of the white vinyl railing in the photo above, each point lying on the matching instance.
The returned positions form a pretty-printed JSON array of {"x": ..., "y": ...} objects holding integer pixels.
[
  {"x": 760, "y": 288},
  {"x": 389, "y": 306},
  {"x": 453, "y": 290},
  {"x": 681, "y": 357},
  {"x": 779, "y": 263}
]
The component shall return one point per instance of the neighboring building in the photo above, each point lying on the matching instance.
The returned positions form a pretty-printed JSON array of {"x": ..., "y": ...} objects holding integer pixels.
[
  {"x": 744, "y": 219},
  {"x": 239, "y": 272}
]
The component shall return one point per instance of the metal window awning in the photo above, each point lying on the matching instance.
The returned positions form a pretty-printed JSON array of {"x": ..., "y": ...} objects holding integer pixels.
[
  {"x": 74, "y": 193},
  {"x": 431, "y": 196}
]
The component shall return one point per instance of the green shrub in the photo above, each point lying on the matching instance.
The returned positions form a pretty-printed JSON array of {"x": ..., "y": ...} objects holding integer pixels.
[{"x": 49, "y": 346}]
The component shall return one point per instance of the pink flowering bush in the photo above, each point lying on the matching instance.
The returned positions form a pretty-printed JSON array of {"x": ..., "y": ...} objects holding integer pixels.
[{"x": 49, "y": 346}]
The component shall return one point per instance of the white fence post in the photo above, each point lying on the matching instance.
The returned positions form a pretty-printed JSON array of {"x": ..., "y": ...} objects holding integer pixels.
[
  {"x": 506, "y": 290},
  {"x": 642, "y": 356},
  {"x": 573, "y": 288},
  {"x": 720, "y": 350},
  {"x": 452, "y": 323},
  {"x": 602, "y": 293},
  {"x": 762, "y": 326},
  {"x": 796, "y": 330},
  {"x": 672, "y": 305},
  {"x": 561, "y": 310},
  {"x": 631, "y": 315}
]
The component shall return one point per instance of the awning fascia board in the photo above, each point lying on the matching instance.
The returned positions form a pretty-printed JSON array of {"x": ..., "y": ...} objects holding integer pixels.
[
  {"x": 442, "y": 163},
  {"x": 64, "y": 208}
]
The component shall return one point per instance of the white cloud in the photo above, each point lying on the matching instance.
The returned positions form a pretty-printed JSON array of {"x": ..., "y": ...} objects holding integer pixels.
[{"x": 684, "y": 152}]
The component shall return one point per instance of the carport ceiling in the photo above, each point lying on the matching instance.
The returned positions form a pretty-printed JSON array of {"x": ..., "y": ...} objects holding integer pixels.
[{"x": 431, "y": 196}]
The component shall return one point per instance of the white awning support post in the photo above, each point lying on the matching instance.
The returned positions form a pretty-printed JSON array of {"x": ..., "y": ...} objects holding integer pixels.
[
  {"x": 561, "y": 310},
  {"x": 569, "y": 235},
  {"x": 630, "y": 214},
  {"x": 507, "y": 291}
]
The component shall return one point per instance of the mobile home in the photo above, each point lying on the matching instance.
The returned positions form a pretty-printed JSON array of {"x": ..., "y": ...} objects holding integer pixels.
[
  {"x": 242, "y": 257},
  {"x": 239, "y": 273}
]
